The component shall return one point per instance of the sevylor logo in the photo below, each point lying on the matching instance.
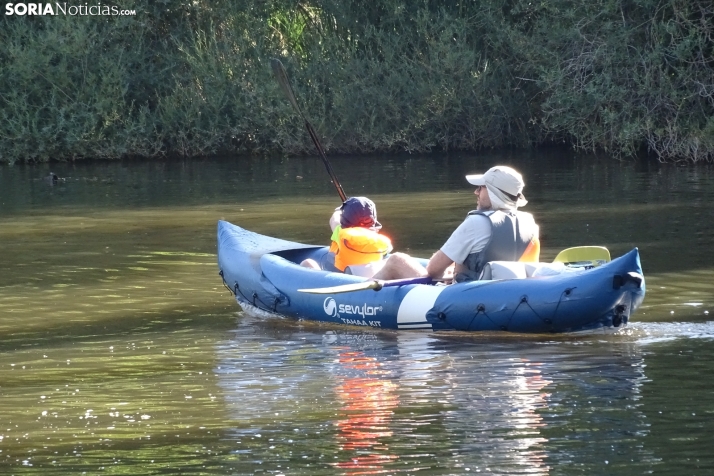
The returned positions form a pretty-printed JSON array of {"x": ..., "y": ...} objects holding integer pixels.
[
  {"x": 333, "y": 309},
  {"x": 330, "y": 307}
]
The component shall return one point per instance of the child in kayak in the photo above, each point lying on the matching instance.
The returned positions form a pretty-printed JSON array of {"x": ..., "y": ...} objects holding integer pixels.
[{"x": 357, "y": 247}]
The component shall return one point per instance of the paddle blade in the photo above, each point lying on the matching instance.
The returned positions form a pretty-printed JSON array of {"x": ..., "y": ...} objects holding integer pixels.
[
  {"x": 583, "y": 256},
  {"x": 282, "y": 77}
]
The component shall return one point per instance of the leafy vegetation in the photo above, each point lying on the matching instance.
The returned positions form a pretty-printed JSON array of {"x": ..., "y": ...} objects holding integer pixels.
[{"x": 193, "y": 78}]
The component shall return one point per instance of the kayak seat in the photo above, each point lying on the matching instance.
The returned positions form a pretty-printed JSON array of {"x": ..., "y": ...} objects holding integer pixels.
[
  {"x": 520, "y": 270},
  {"x": 503, "y": 270},
  {"x": 324, "y": 258}
]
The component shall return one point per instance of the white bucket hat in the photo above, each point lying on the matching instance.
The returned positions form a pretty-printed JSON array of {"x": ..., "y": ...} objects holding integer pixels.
[{"x": 504, "y": 182}]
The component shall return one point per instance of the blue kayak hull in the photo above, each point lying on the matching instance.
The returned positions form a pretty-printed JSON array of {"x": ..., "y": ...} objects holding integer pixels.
[{"x": 264, "y": 274}]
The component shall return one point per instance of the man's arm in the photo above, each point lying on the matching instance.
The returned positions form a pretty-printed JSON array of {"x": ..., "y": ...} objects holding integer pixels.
[{"x": 438, "y": 264}]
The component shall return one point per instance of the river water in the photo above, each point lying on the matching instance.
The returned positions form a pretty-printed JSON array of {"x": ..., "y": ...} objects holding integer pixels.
[{"x": 122, "y": 353}]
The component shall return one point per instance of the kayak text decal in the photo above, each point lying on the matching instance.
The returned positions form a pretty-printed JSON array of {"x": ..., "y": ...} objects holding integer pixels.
[{"x": 333, "y": 309}]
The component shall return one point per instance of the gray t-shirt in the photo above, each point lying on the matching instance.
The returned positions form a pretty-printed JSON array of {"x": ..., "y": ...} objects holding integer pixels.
[{"x": 471, "y": 236}]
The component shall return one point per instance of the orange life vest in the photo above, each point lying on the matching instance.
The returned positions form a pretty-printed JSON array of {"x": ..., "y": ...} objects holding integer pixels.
[
  {"x": 532, "y": 252},
  {"x": 358, "y": 245}
]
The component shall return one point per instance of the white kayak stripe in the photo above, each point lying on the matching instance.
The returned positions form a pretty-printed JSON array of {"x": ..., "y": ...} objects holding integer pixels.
[{"x": 413, "y": 308}]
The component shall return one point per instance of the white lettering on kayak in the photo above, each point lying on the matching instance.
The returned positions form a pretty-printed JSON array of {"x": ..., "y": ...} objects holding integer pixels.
[
  {"x": 365, "y": 310},
  {"x": 333, "y": 309},
  {"x": 357, "y": 322}
]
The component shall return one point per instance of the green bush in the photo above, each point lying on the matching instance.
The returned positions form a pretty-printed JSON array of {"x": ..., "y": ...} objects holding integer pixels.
[
  {"x": 628, "y": 75},
  {"x": 193, "y": 78}
]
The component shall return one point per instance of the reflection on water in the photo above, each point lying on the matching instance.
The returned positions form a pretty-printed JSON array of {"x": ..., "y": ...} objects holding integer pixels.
[
  {"x": 368, "y": 400},
  {"x": 282, "y": 397},
  {"x": 120, "y": 351},
  {"x": 386, "y": 402}
]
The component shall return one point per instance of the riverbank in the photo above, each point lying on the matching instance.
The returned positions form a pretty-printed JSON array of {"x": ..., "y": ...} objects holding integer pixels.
[{"x": 189, "y": 79}]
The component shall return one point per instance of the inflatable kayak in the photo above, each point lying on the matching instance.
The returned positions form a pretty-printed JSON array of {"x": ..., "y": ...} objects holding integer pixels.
[{"x": 265, "y": 276}]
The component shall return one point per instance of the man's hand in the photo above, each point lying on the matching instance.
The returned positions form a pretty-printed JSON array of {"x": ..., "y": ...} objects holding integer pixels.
[{"x": 448, "y": 275}]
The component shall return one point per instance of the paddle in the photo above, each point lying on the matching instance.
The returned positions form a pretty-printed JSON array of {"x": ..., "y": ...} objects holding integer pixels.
[
  {"x": 578, "y": 256},
  {"x": 583, "y": 256},
  {"x": 282, "y": 78},
  {"x": 362, "y": 286}
]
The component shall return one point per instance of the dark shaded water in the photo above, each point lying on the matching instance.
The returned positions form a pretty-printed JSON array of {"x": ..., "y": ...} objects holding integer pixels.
[{"x": 121, "y": 352}]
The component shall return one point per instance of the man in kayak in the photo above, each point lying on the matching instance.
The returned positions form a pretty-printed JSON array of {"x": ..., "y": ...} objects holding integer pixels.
[
  {"x": 356, "y": 241},
  {"x": 495, "y": 231}
]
